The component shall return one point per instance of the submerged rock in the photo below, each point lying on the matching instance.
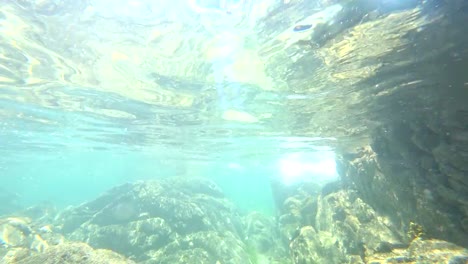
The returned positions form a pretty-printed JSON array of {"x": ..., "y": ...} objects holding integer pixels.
[
  {"x": 67, "y": 253},
  {"x": 347, "y": 230},
  {"x": 19, "y": 232},
  {"x": 343, "y": 228},
  {"x": 202, "y": 247},
  {"x": 261, "y": 231},
  {"x": 27, "y": 241},
  {"x": 263, "y": 239},
  {"x": 358, "y": 228},
  {"x": 159, "y": 220},
  {"x": 24, "y": 241},
  {"x": 132, "y": 239},
  {"x": 297, "y": 208},
  {"x": 424, "y": 251},
  {"x": 398, "y": 179},
  {"x": 315, "y": 247}
]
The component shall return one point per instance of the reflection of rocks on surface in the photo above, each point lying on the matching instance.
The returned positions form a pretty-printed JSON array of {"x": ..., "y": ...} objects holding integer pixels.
[{"x": 160, "y": 221}]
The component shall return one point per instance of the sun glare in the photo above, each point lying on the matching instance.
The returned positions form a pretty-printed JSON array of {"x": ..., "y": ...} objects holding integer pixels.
[{"x": 319, "y": 167}]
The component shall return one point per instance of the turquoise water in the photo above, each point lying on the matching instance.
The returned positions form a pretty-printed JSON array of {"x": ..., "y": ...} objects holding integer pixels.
[{"x": 75, "y": 176}]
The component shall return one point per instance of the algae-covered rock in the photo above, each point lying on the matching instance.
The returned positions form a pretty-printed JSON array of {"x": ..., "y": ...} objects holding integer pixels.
[
  {"x": 260, "y": 231},
  {"x": 28, "y": 241},
  {"x": 348, "y": 230},
  {"x": 133, "y": 239},
  {"x": 398, "y": 178},
  {"x": 21, "y": 232},
  {"x": 15, "y": 231},
  {"x": 202, "y": 247},
  {"x": 357, "y": 227},
  {"x": 422, "y": 251},
  {"x": 289, "y": 224},
  {"x": 335, "y": 226},
  {"x": 135, "y": 219},
  {"x": 437, "y": 251},
  {"x": 263, "y": 241},
  {"x": 298, "y": 208},
  {"x": 68, "y": 253},
  {"x": 311, "y": 247}
]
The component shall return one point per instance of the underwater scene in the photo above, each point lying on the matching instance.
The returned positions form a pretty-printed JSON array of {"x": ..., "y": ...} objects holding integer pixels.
[{"x": 233, "y": 131}]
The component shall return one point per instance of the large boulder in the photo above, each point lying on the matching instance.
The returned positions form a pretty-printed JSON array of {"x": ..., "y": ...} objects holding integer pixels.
[{"x": 149, "y": 220}]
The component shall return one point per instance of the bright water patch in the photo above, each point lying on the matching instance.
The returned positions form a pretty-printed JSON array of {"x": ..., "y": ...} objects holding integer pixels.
[{"x": 319, "y": 167}]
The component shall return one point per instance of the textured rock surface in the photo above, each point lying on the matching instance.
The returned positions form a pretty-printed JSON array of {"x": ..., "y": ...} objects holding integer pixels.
[
  {"x": 400, "y": 179},
  {"x": 424, "y": 251},
  {"x": 23, "y": 233},
  {"x": 336, "y": 226},
  {"x": 297, "y": 210},
  {"x": 26, "y": 241},
  {"x": 202, "y": 247},
  {"x": 260, "y": 231},
  {"x": 396, "y": 94},
  {"x": 263, "y": 239},
  {"x": 161, "y": 221},
  {"x": 67, "y": 253},
  {"x": 345, "y": 229},
  {"x": 315, "y": 247},
  {"x": 357, "y": 228},
  {"x": 413, "y": 167}
]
